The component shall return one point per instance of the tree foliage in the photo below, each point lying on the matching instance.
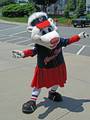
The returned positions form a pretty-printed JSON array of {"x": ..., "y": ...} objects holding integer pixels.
[
  {"x": 70, "y": 5},
  {"x": 66, "y": 13},
  {"x": 75, "y": 6},
  {"x": 44, "y": 3},
  {"x": 81, "y": 7},
  {"x": 17, "y": 10}
]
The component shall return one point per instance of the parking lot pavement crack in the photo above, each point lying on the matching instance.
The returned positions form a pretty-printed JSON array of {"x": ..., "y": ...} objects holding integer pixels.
[
  {"x": 76, "y": 108},
  {"x": 78, "y": 79},
  {"x": 62, "y": 116}
]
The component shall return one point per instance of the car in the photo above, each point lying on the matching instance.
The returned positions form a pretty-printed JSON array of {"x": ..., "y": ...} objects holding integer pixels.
[{"x": 81, "y": 21}]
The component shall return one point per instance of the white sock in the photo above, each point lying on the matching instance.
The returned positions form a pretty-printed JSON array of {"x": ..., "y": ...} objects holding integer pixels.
[
  {"x": 35, "y": 94},
  {"x": 54, "y": 88}
]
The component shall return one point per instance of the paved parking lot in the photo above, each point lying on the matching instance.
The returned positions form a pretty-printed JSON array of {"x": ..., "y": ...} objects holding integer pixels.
[
  {"x": 17, "y": 34},
  {"x": 16, "y": 75}
]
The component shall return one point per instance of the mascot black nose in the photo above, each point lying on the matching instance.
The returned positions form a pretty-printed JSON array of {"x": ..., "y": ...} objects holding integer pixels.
[{"x": 54, "y": 40}]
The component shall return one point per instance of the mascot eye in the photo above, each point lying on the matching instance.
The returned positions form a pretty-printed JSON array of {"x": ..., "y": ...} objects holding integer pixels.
[
  {"x": 50, "y": 29},
  {"x": 34, "y": 22},
  {"x": 43, "y": 32}
]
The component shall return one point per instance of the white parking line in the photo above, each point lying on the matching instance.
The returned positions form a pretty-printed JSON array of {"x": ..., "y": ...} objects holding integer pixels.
[
  {"x": 82, "y": 48},
  {"x": 5, "y": 38},
  {"x": 14, "y": 39},
  {"x": 14, "y": 27},
  {"x": 18, "y": 33},
  {"x": 1, "y": 35},
  {"x": 22, "y": 42}
]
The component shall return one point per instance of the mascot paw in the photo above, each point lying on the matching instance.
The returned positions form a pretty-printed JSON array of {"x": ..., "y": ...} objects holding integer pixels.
[
  {"x": 17, "y": 54},
  {"x": 54, "y": 96},
  {"x": 83, "y": 35},
  {"x": 29, "y": 107}
]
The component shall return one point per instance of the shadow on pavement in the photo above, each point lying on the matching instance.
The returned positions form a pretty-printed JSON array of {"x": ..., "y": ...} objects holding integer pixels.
[{"x": 71, "y": 104}]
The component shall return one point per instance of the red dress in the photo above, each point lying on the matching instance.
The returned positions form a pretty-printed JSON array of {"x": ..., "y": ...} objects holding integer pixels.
[
  {"x": 44, "y": 77},
  {"x": 50, "y": 69}
]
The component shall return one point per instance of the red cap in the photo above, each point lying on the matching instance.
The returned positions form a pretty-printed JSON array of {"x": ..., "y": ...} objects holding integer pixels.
[{"x": 43, "y": 24}]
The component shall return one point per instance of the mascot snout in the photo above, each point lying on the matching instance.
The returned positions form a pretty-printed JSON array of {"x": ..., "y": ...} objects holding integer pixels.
[{"x": 51, "y": 39}]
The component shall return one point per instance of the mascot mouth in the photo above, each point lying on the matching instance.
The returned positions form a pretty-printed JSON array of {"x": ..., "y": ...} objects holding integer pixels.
[
  {"x": 54, "y": 42},
  {"x": 53, "y": 46}
]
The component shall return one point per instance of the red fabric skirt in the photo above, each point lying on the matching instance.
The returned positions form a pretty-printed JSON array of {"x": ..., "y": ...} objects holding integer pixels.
[{"x": 48, "y": 77}]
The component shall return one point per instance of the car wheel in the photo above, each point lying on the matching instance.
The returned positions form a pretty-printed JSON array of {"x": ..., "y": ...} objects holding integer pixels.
[
  {"x": 75, "y": 25},
  {"x": 82, "y": 25}
]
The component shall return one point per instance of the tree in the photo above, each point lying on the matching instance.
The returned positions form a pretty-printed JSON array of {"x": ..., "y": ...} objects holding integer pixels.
[
  {"x": 70, "y": 7},
  {"x": 66, "y": 12},
  {"x": 44, "y": 3},
  {"x": 81, "y": 7}
]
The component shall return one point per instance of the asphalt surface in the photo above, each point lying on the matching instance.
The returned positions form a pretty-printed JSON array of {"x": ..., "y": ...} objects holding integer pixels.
[
  {"x": 17, "y": 34},
  {"x": 16, "y": 75}
]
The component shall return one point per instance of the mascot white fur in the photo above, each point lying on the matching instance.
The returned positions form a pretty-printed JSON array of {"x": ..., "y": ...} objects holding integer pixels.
[{"x": 50, "y": 70}]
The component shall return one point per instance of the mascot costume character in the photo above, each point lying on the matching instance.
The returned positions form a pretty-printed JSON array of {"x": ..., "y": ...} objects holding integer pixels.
[{"x": 50, "y": 71}]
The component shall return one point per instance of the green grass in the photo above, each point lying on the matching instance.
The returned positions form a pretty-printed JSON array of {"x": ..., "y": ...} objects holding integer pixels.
[
  {"x": 15, "y": 19},
  {"x": 64, "y": 21},
  {"x": 61, "y": 20}
]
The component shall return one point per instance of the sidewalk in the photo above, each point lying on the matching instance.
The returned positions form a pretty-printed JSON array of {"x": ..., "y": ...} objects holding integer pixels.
[{"x": 15, "y": 75}]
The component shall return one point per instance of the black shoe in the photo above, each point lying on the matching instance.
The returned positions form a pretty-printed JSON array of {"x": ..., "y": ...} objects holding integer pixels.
[
  {"x": 29, "y": 107},
  {"x": 54, "y": 96}
]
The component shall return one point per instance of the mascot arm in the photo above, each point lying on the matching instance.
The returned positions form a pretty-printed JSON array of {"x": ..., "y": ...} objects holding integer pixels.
[
  {"x": 29, "y": 52},
  {"x": 24, "y": 53},
  {"x": 66, "y": 41},
  {"x": 75, "y": 38}
]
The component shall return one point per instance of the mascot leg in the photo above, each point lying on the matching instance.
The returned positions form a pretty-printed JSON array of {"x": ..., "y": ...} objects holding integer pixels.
[
  {"x": 30, "y": 106},
  {"x": 53, "y": 95}
]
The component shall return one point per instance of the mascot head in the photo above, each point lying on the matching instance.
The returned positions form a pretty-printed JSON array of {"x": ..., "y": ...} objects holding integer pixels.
[{"x": 43, "y": 30}]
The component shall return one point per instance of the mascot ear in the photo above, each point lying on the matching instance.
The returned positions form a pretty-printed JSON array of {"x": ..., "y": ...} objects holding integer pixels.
[
  {"x": 53, "y": 24},
  {"x": 29, "y": 28},
  {"x": 34, "y": 19}
]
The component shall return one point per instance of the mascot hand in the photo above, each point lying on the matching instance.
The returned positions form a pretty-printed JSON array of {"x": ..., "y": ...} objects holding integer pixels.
[
  {"x": 83, "y": 35},
  {"x": 17, "y": 54}
]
